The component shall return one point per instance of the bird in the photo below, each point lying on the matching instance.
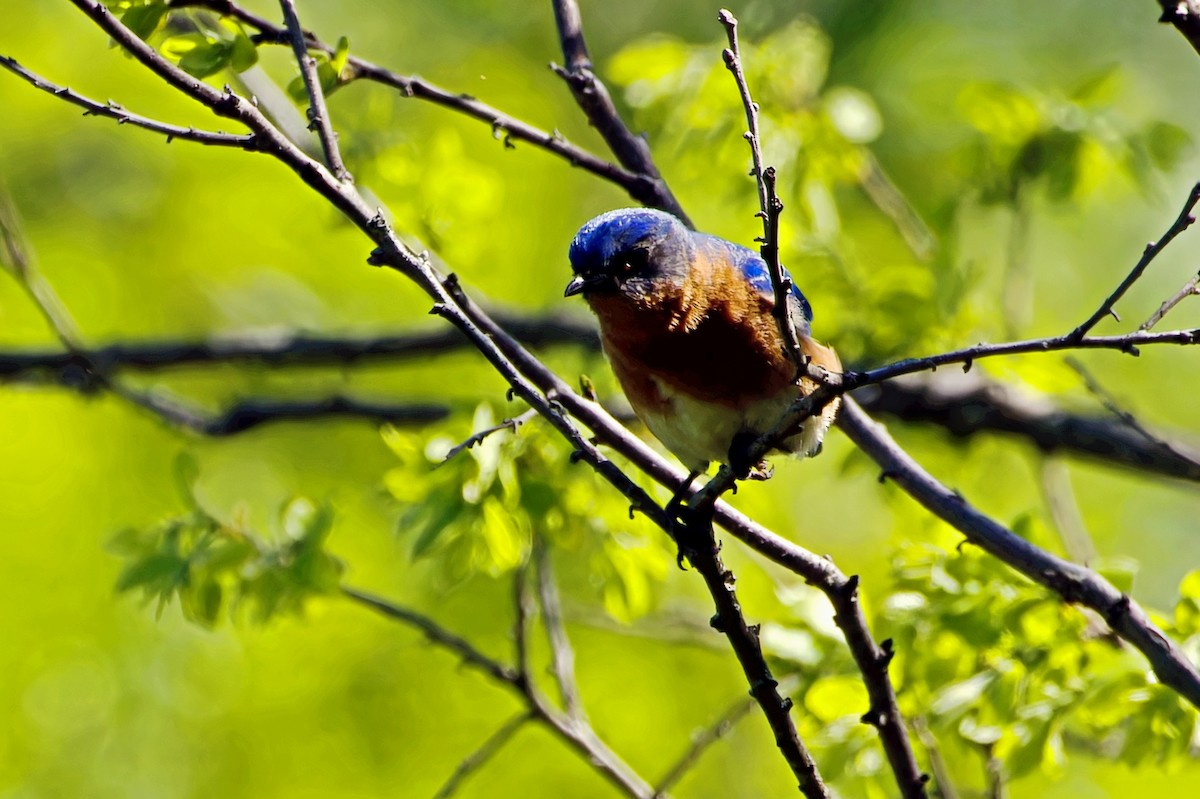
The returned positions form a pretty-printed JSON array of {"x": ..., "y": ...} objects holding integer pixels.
[{"x": 686, "y": 321}]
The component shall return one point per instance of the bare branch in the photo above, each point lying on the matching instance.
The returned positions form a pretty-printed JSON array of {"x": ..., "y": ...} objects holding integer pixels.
[
  {"x": 640, "y": 187},
  {"x": 1181, "y": 223},
  {"x": 1073, "y": 583},
  {"x": 318, "y": 112},
  {"x": 579, "y": 736},
  {"x": 701, "y": 741},
  {"x": 733, "y": 62},
  {"x": 1064, "y": 510},
  {"x": 769, "y": 204},
  {"x": 698, "y": 544},
  {"x": 486, "y": 751},
  {"x": 966, "y": 405},
  {"x": 562, "y": 656},
  {"x": 1190, "y": 289},
  {"x": 592, "y": 96},
  {"x": 962, "y": 405},
  {"x": 463, "y": 649},
  {"x": 1113, "y": 406},
  {"x": 250, "y": 414},
  {"x": 524, "y": 611},
  {"x": 115, "y": 111},
  {"x": 295, "y": 350},
  {"x": 941, "y": 772}
]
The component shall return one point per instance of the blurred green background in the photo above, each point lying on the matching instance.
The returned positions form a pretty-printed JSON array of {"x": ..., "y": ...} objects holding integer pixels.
[{"x": 143, "y": 240}]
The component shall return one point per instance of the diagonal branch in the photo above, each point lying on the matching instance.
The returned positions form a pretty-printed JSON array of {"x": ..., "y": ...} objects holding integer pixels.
[
  {"x": 486, "y": 751},
  {"x": 1189, "y": 289},
  {"x": 318, "y": 112},
  {"x": 1181, "y": 223},
  {"x": 562, "y": 655},
  {"x": 703, "y": 552},
  {"x": 576, "y": 734},
  {"x": 1072, "y": 582},
  {"x": 640, "y": 187},
  {"x": 592, "y": 96},
  {"x": 115, "y": 111},
  {"x": 701, "y": 741},
  {"x": 965, "y": 406}
]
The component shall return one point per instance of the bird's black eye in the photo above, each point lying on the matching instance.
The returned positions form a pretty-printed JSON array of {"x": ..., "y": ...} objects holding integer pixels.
[{"x": 635, "y": 262}]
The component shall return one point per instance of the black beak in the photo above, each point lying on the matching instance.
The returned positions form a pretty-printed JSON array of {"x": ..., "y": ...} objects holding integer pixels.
[{"x": 582, "y": 283}]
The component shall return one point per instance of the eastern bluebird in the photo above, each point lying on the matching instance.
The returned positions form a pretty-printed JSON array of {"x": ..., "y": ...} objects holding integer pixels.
[{"x": 686, "y": 321}]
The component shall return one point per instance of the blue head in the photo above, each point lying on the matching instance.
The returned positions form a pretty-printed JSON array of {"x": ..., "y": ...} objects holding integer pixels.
[{"x": 630, "y": 251}]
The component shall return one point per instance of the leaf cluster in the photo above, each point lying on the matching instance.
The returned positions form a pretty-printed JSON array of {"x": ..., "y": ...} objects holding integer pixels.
[
  {"x": 478, "y": 511},
  {"x": 210, "y": 566}
]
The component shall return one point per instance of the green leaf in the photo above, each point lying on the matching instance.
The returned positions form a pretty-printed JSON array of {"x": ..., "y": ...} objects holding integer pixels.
[
  {"x": 1098, "y": 88},
  {"x": 340, "y": 55},
  {"x": 1119, "y": 571},
  {"x": 158, "y": 572},
  {"x": 197, "y": 54},
  {"x": 1167, "y": 144},
  {"x": 144, "y": 20},
  {"x": 243, "y": 54}
]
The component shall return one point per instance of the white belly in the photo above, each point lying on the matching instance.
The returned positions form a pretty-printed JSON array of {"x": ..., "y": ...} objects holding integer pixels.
[{"x": 698, "y": 432}]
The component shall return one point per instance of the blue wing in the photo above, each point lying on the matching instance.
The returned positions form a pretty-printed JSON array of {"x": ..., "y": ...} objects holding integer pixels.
[{"x": 756, "y": 272}]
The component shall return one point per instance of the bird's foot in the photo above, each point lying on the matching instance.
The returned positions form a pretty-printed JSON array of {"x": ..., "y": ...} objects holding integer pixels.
[
  {"x": 761, "y": 471},
  {"x": 741, "y": 464},
  {"x": 680, "y": 516}
]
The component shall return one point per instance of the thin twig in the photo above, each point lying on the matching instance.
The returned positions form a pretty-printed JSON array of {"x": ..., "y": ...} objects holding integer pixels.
[
  {"x": 881, "y": 191},
  {"x": 578, "y": 735},
  {"x": 733, "y": 62},
  {"x": 1114, "y": 407},
  {"x": 592, "y": 96},
  {"x": 118, "y": 112},
  {"x": 1064, "y": 511},
  {"x": 524, "y": 610},
  {"x": 478, "y": 438},
  {"x": 562, "y": 655},
  {"x": 1181, "y": 223},
  {"x": 993, "y": 769},
  {"x": 769, "y": 204},
  {"x": 318, "y": 112},
  {"x": 937, "y": 764},
  {"x": 461, "y": 647},
  {"x": 486, "y": 751},
  {"x": 704, "y": 739},
  {"x": 1190, "y": 289}
]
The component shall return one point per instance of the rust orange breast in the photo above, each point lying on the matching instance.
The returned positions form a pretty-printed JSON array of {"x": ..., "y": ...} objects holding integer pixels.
[{"x": 714, "y": 339}]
